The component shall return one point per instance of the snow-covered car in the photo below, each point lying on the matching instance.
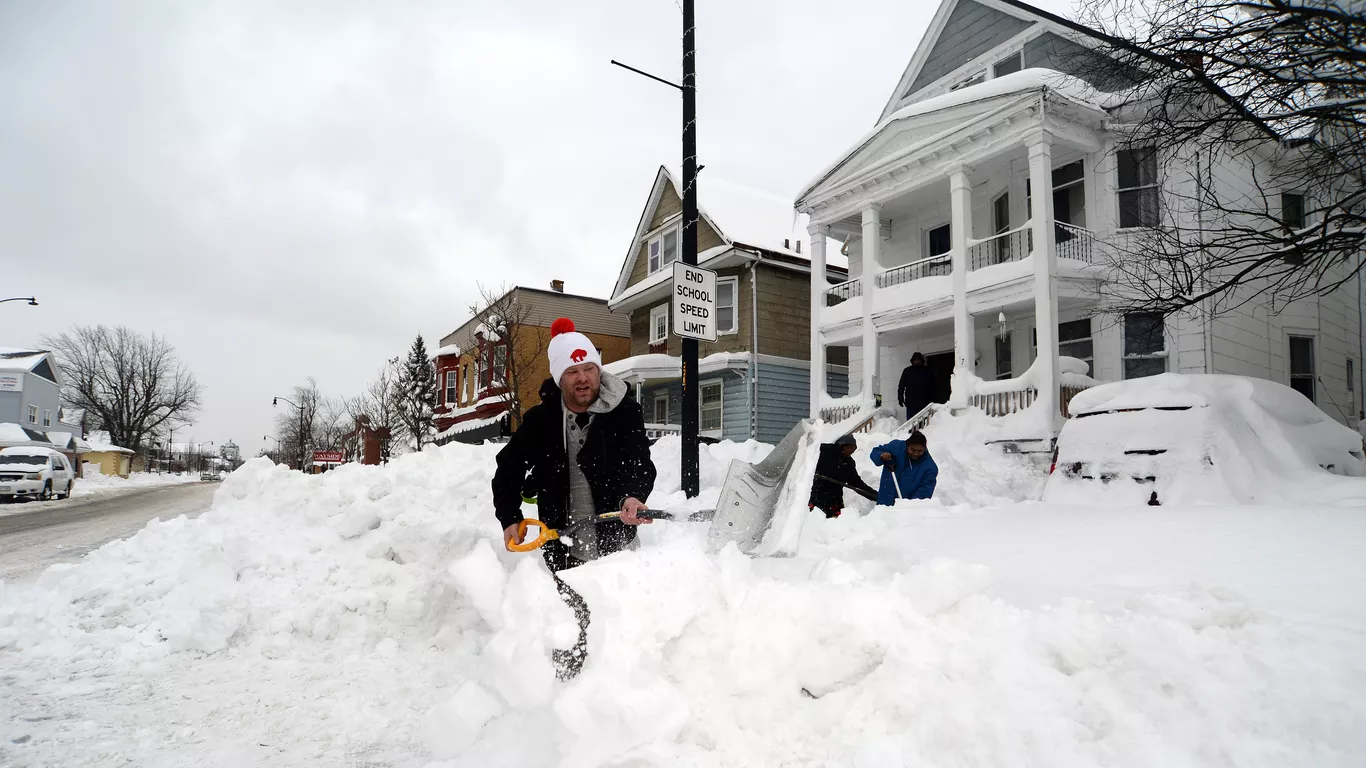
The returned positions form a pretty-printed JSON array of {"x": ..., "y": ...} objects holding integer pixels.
[
  {"x": 34, "y": 473},
  {"x": 1198, "y": 439}
]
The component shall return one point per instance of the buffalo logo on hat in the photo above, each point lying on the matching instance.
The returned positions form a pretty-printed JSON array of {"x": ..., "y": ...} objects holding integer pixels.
[{"x": 578, "y": 355}]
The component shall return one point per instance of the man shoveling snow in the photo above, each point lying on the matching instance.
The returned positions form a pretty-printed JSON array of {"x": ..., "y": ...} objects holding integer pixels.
[
  {"x": 586, "y": 448},
  {"x": 908, "y": 470}
]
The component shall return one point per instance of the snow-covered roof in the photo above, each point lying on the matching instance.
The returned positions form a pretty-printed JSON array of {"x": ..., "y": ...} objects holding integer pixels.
[
  {"x": 99, "y": 442},
  {"x": 449, "y": 349},
  {"x": 17, "y": 434},
  {"x": 1024, "y": 81},
  {"x": 650, "y": 367},
  {"x": 469, "y": 425},
  {"x": 12, "y": 359}
]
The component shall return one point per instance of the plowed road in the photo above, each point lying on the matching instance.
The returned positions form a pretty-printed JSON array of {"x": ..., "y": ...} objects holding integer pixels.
[{"x": 65, "y": 531}]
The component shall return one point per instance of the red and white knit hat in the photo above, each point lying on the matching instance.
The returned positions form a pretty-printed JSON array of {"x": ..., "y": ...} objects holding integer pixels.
[{"x": 569, "y": 348}]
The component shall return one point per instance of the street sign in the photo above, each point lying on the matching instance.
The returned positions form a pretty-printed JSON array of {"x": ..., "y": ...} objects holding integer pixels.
[
  {"x": 330, "y": 457},
  {"x": 694, "y": 302}
]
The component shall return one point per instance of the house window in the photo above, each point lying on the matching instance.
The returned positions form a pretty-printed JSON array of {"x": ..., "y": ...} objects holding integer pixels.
[
  {"x": 481, "y": 371},
  {"x": 1003, "y": 357},
  {"x": 659, "y": 324},
  {"x": 663, "y": 249},
  {"x": 940, "y": 241},
  {"x": 661, "y": 409},
  {"x": 1302, "y": 365},
  {"x": 976, "y": 79},
  {"x": 1292, "y": 211},
  {"x": 726, "y": 288},
  {"x": 47, "y": 418},
  {"x": 710, "y": 407},
  {"x": 452, "y": 380},
  {"x": 1074, "y": 340},
  {"x": 500, "y": 363},
  {"x": 1138, "y": 187},
  {"x": 1011, "y": 63},
  {"x": 33, "y": 414},
  {"x": 1351, "y": 375},
  {"x": 1145, "y": 345}
]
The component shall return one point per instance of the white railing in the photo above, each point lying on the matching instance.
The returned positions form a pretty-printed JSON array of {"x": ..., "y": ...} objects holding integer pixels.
[
  {"x": 934, "y": 266},
  {"x": 838, "y": 294},
  {"x": 1075, "y": 243},
  {"x": 1004, "y": 403},
  {"x": 839, "y": 413},
  {"x": 656, "y": 431},
  {"x": 1000, "y": 249}
]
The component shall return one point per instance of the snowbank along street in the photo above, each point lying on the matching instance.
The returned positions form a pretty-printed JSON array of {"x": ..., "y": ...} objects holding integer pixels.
[{"x": 370, "y": 615}]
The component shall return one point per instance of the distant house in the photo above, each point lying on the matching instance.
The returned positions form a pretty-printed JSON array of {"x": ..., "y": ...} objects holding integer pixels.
[
  {"x": 30, "y": 388},
  {"x": 953, "y": 252},
  {"x": 754, "y": 378},
  {"x": 111, "y": 459},
  {"x": 490, "y": 369}
]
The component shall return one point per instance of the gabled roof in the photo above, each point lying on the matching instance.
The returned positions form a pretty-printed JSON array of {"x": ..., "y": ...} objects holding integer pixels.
[
  {"x": 738, "y": 214},
  {"x": 1029, "y": 15}
]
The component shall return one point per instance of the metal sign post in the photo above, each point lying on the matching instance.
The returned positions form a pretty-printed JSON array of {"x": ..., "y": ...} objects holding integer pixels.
[{"x": 691, "y": 477}]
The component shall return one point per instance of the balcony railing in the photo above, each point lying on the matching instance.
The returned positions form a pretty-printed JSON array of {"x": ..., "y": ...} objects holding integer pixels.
[
  {"x": 1075, "y": 243},
  {"x": 934, "y": 266},
  {"x": 656, "y": 431},
  {"x": 1003, "y": 403},
  {"x": 1000, "y": 249},
  {"x": 838, "y": 294}
]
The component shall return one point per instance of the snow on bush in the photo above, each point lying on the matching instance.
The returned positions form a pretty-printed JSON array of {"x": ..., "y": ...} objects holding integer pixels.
[{"x": 393, "y": 581}]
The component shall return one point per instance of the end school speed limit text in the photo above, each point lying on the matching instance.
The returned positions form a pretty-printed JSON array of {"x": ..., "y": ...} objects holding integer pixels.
[{"x": 694, "y": 302}]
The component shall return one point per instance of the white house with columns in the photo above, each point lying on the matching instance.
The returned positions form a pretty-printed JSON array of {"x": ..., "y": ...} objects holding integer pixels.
[{"x": 952, "y": 251}]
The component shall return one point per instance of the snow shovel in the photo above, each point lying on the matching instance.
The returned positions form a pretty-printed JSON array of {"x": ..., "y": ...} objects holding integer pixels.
[
  {"x": 551, "y": 534},
  {"x": 749, "y": 497},
  {"x": 891, "y": 464},
  {"x": 855, "y": 489}
]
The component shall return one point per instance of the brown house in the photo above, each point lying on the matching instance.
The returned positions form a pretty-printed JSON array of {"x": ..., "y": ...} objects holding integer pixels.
[
  {"x": 755, "y": 378},
  {"x": 490, "y": 370}
]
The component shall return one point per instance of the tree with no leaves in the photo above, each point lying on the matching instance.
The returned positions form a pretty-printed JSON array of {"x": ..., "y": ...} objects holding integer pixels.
[
  {"x": 507, "y": 321},
  {"x": 417, "y": 394},
  {"x": 1269, "y": 93},
  {"x": 379, "y": 403},
  {"x": 132, "y": 386}
]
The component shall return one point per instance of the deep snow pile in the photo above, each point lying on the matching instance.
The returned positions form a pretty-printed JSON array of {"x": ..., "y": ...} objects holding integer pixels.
[
  {"x": 88, "y": 485},
  {"x": 371, "y": 614}
]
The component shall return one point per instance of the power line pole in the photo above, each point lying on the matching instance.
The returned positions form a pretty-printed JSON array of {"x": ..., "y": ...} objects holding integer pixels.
[{"x": 691, "y": 412}]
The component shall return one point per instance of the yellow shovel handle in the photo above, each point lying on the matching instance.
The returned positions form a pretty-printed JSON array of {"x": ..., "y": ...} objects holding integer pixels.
[{"x": 546, "y": 534}]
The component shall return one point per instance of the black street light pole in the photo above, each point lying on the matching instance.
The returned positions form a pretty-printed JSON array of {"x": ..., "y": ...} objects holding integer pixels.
[
  {"x": 691, "y": 416},
  {"x": 277, "y": 445},
  {"x": 274, "y": 402}
]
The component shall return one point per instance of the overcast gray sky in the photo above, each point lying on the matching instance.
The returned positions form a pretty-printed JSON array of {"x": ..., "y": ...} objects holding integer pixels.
[{"x": 295, "y": 189}]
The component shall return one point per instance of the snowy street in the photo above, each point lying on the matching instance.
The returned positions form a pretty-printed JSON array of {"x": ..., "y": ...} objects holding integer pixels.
[{"x": 36, "y": 535}]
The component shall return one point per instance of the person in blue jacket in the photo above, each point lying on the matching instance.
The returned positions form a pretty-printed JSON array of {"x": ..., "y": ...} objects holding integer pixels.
[{"x": 915, "y": 470}]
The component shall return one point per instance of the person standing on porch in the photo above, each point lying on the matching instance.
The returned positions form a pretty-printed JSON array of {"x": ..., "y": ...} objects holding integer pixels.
[
  {"x": 917, "y": 386},
  {"x": 908, "y": 470}
]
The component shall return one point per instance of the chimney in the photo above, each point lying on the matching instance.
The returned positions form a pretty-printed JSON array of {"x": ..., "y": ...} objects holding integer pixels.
[
  {"x": 799, "y": 246},
  {"x": 786, "y": 243},
  {"x": 557, "y": 286}
]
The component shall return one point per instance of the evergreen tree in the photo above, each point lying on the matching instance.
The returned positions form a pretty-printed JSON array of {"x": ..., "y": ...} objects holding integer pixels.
[{"x": 417, "y": 394}]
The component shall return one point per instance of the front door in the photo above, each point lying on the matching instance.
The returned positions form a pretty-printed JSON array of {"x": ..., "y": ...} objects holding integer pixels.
[{"x": 941, "y": 364}]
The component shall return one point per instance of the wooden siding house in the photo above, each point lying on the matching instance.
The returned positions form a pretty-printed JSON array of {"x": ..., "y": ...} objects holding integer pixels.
[
  {"x": 490, "y": 369},
  {"x": 949, "y": 253},
  {"x": 755, "y": 376}
]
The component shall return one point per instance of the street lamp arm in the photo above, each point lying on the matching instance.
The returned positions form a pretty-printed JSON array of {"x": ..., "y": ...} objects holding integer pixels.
[
  {"x": 287, "y": 400},
  {"x": 32, "y": 302}
]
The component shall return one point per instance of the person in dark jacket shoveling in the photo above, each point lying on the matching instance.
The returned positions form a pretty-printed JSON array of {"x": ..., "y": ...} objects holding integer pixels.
[
  {"x": 587, "y": 452},
  {"x": 915, "y": 472},
  {"x": 835, "y": 471}
]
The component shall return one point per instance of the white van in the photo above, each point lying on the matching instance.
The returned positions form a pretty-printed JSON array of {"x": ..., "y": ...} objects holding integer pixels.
[{"x": 34, "y": 473}]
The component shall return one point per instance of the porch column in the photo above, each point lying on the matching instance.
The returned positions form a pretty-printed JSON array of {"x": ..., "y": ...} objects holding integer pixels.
[
  {"x": 1045, "y": 257},
  {"x": 818, "y": 286},
  {"x": 872, "y": 265},
  {"x": 960, "y": 229}
]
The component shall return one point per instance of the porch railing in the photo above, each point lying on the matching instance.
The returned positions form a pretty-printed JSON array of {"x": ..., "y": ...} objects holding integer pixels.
[
  {"x": 1000, "y": 249},
  {"x": 656, "y": 431},
  {"x": 838, "y": 294},
  {"x": 1004, "y": 403},
  {"x": 1075, "y": 243},
  {"x": 839, "y": 413},
  {"x": 934, "y": 266}
]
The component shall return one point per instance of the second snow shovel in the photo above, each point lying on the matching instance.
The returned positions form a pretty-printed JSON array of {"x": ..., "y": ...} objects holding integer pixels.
[
  {"x": 891, "y": 464},
  {"x": 855, "y": 489},
  {"x": 551, "y": 534}
]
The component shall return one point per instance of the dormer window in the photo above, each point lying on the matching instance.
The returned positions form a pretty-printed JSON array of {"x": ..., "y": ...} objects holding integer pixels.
[{"x": 1012, "y": 63}]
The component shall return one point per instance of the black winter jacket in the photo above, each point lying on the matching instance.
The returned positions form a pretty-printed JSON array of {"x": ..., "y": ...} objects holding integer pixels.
[
  {"x": 836, "y": 466},
  {"x": 615, "y": 459},
  {"x": 916, "y": 388}
]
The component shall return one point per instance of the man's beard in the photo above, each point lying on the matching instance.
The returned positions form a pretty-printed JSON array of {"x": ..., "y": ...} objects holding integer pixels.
[{"x": 583, "y": 398}]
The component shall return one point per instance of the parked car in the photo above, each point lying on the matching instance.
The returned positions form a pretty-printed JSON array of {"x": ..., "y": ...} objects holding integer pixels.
[
  {"x": 34, "y": 473},
  {"x": 1198, "y": 439},
  {"x": 209, "y": 477}
]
